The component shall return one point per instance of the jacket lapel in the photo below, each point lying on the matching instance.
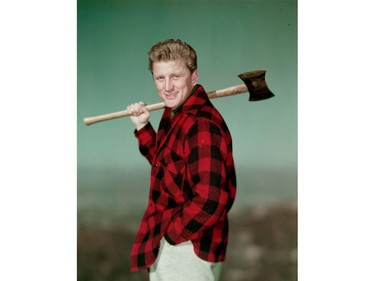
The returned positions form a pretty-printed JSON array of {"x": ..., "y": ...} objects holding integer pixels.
[{"x": 166, "y": 129}]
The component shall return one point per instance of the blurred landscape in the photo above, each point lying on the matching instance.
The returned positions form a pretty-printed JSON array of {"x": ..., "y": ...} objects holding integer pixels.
[{"x": 262, "y": 245}]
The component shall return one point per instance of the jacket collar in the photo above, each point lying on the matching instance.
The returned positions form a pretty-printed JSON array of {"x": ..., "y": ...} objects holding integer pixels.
[{"x": 194, "y": 102}]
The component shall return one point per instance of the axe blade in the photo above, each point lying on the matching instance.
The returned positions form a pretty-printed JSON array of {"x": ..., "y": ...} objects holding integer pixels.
[{"x": 256, "y": 84}]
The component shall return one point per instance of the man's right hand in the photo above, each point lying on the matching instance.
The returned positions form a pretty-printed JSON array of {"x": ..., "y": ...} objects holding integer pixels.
[{"x": 139, "y": 114}]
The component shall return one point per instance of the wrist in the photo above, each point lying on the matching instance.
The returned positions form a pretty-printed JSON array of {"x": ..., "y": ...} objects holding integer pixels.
[{"x": 140, "y": 126}]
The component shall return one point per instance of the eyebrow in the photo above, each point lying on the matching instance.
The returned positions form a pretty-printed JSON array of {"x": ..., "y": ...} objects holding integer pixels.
[{"x": 177, "y": 73}]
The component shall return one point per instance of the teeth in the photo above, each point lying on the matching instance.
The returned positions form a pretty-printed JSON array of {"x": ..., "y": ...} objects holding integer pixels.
[{"x": 170, "y": 96}]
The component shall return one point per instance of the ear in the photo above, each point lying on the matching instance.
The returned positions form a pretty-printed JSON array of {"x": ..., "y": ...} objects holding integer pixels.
[{"x": 194, "y": 77}]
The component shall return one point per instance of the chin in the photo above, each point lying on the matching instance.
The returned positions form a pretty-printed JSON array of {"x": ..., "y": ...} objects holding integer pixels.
[{"x": 171, "y": 104}]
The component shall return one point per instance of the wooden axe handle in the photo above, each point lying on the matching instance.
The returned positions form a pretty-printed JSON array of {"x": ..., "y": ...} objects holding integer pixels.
[{"x": 234, "y": 90}]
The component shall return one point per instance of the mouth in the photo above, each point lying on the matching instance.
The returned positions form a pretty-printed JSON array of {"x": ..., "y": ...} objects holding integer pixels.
[{"x": 170, "y": 96}]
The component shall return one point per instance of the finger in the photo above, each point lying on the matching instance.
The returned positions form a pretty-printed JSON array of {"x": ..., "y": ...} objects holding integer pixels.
[{"x": 133, "y": 107}]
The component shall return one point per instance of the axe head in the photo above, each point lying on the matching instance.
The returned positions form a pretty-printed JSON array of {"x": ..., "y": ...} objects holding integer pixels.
[{"x": 256, "y": 84}]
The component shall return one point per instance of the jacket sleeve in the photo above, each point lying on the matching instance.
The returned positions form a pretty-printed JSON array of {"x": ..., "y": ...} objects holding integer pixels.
[
  {"x": 147, "y": 141},
  {"x": 206, "y": 148}
]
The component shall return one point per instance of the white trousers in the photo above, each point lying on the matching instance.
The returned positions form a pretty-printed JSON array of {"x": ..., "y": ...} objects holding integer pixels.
[{"x": 180, "y": 263}]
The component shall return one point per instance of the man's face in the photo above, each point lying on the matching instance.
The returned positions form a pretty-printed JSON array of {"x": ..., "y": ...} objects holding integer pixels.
[{"x": 173, "y": 81}]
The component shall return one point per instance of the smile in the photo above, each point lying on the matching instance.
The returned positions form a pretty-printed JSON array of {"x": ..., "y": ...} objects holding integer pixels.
[{"x": 170, "y": 96}]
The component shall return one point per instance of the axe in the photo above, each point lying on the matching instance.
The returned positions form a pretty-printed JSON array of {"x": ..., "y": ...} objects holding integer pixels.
[{"x": 255, "y": 84}]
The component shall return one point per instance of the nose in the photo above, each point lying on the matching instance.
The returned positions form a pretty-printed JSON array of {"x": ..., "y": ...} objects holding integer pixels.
[{"x": 168, "y": 86}]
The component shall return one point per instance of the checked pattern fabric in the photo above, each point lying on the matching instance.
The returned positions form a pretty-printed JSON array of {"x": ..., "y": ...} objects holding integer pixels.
[{"x": 192, "y": 185}]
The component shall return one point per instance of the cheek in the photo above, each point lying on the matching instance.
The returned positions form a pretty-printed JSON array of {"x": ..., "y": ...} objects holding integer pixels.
[
  {"x": 158, "y": 85},
  {"x": 182, "y": 83}
]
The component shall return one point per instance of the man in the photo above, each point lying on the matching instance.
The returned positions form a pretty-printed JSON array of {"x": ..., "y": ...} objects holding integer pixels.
[{"x": 183, "y": 234}]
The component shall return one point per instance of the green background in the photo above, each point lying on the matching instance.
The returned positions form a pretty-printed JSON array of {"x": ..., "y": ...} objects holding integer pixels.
[{"x": 230, "y": 37}]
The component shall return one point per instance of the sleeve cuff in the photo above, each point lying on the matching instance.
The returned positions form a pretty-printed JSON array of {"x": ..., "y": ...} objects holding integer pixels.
[
  {"x": 169, "y": 240},
  {"x": 145, "y": 128}
]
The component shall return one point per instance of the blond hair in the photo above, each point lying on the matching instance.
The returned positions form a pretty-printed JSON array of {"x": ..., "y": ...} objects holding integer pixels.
[{"x": 173, "y": 49}]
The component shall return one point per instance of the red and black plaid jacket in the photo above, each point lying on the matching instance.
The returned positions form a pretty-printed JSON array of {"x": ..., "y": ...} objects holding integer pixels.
[{"x": 193, "y": 182}]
